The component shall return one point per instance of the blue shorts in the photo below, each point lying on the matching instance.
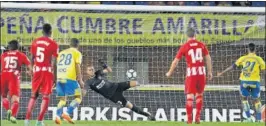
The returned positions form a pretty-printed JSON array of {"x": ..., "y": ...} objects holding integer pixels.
[
  {"x": 250, "y": 88},
  {"x": 67, "y": 88}
]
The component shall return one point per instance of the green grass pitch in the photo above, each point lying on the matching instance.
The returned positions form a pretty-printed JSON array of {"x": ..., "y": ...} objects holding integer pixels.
[{"x": 132, "y": 123}]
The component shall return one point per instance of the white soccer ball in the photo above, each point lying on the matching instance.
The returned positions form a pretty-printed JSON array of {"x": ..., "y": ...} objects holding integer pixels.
[{"x": 131, "y": 74}]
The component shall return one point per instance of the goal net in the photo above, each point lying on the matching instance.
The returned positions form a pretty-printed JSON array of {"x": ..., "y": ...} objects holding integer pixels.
[{"x": 145, "y": 39}]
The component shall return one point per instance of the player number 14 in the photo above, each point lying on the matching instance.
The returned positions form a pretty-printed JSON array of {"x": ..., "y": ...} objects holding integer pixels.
[{"x": 195, "y": 55}]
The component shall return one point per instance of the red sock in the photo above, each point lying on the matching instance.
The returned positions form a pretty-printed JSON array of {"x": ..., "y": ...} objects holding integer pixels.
[
  {"x": 189, "y": 108},
  {"x": 44, "y": 107},
  {"x": 31, "y": 105},
  {"x": 5, "y": 103},
  {"x": 15, "y": 108},
  {"x": 199, "y": 104}
]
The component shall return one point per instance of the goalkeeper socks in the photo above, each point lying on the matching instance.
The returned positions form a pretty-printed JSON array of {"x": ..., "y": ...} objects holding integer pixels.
[
  {"x": 189, "y": 108},
  {"x": 30, "y": 107},
  {"x": 139, "y": 111},
  {"x": 15, "y": 108},
  {"x": 75, "y": 103},
  {"x": 258, "y": 110},
  {"x": 246, "y": 108},
  {"x": 60, "y": 106},
  {"x": 199, "y": 104},
  {"x": 5, "y": 103},
  {"x": 44, "y": 107}
]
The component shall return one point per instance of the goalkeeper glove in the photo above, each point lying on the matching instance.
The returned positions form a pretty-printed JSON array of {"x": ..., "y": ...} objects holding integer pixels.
[{"x": 104, "y": 65}]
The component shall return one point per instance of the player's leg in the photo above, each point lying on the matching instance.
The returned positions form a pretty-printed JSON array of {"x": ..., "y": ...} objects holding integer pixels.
[
  {"x": 14, "y": 108},
  {"x": 72, "y": 89},
  {"x": 244, "y": 92},
  {"x": 255, "y": 93},
  {"x": 5, "y": 101},
  {"x": 74, "y": 104},
  {"x": 199, "y": 97},
  {"x": 189, "y": 107},
  {"x": 190, "y": 90},
  {"x": 138, "y": 110},
  {"x": 258, "y": 105},
  {"x": 45, "y": 89},
  {"x": 4, "y": 92},
  {"x": 31, "y": 106},
  {"x": 6, "y": 104},
  {"x": 133, "y": 83},
  {"x": 36, "y": 83},
  {"x": 14, "y": 91},
  {"x": 44, "y": 107},
  {"x": 62, "y": 102},
  {"x": 199, "y": 104},
  {"x": 122, "y": 86},
  {"x": 120, "y": 99}
]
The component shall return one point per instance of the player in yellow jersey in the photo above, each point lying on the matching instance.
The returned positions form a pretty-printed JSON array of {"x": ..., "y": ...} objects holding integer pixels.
[
  {"x": 251, "y": 65},
  {"x": 69, "y": 80}
]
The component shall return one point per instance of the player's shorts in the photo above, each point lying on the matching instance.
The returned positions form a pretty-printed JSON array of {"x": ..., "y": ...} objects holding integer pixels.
[
  {"x": 250, "y": 88},
  {"x": 42, "y": 82},
  {"x": 118, "y": 96},
  {"x": 195, "y": 84},
  {"x": 10, "y": 84},
  {"x": 68, "y": 88}
]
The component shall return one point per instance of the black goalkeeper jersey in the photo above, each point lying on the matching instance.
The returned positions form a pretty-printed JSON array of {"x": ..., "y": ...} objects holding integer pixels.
[{"x": 101, "y": 85}]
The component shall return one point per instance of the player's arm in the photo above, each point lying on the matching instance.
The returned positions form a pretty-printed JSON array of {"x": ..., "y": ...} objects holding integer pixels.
[
  {"x": 235, "y": 65},
  {"x": 208, "y": 60},
  {"x": 262, "y": 66},
  {"x": 54, "y": 62},
  {"x": 226, "y": 70},
  {"x": 106, "y": 68},
  {"x": 172, "y": 67},
  {"x": 175, "y": 61},
  {"x": 209, "y": 65},
  {"x": 28, "y": 63},
  {"x": 79, "y": 75},
  {"x": 78, "y": 62}
]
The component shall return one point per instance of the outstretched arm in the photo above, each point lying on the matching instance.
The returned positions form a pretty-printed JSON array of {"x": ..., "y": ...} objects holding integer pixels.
[
  {"x": 226, "y": 70},
  {"x": 106, "y": 68},
  {"x": 173, "y": 66},
  {"x": 236, "y": 64}
]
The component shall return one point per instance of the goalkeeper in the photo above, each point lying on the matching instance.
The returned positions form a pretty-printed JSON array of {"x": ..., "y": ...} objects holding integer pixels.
[
  {"x": 249, "y": 80},
  {"x": 112, "y": 91}
]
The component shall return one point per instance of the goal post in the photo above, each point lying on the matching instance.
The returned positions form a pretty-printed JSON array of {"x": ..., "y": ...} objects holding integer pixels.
[{"x": 145, "y": 39}]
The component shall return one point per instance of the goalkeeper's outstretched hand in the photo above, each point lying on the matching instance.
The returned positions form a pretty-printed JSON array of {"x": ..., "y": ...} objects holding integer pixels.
[{"x": 103, "y": 64}]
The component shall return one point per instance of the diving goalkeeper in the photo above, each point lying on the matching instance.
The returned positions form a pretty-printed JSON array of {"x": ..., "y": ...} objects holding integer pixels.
[{"x": 110, "y": 90}]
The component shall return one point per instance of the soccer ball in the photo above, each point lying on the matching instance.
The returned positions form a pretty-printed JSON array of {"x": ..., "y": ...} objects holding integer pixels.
[{"x": 131, "y": 74}]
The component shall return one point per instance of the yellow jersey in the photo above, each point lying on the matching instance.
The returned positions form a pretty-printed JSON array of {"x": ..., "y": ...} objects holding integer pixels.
[
  {"x": 251, "y": 66},
  {"x": 66, "y": 64}
]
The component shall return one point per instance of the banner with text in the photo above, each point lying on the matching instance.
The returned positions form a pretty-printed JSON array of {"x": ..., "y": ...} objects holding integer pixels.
[
  {"x": 139, "y": 29},
  {"x": 219, "y": 106}
]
